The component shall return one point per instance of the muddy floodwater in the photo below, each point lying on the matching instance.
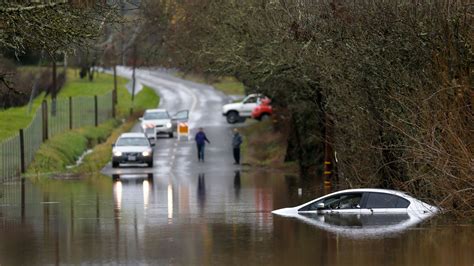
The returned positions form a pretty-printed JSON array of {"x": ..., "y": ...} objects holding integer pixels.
[{"x": 219, "y": 218}]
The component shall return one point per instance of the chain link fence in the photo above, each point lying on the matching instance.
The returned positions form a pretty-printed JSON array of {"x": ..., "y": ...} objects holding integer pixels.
[{"x": 17, "y": 152}]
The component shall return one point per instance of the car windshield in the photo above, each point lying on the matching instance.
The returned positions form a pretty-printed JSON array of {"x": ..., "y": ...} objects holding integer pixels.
[
  {"x": 340, "y": 201},
  {"x": 132, "y": 142},
  {"x": 251, "y": 99},
  {"x": 156, "y": 115}
]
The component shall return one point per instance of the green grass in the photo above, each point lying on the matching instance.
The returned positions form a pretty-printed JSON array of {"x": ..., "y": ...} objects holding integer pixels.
[
  {"x": 101, "y": 153},
  {"x": 228, "y": 85},
  {"x": 13, "y": 119},
  {"x": 145, "y": 99},
  {"x": 101, "y": 84},
  {"x": 64, "y": 149}
]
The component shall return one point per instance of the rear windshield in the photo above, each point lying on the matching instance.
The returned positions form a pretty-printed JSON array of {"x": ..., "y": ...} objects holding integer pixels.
[
  {"x": 132, "y": 142},
  {"x": 156, "y": 115}
]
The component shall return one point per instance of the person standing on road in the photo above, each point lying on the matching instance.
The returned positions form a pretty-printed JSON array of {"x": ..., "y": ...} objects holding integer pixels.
[
  {"x": 201, "y": 140},
  {"x": 236, "y": 142}
]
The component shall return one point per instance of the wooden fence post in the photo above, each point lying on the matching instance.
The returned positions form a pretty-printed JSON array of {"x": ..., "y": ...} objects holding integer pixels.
[
  {"x": 44, "y": 108},
  {"x": 22, "y": 152},
  {"x": 96, "y": 109},
  {"x": 114, "y": 101},
  {"x": 70, "y": 113}
]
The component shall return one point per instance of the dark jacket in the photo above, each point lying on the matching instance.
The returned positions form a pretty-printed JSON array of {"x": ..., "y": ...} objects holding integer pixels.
[
  {"x": 236, "y": 141},
  {"x": 201, "y": 138}
]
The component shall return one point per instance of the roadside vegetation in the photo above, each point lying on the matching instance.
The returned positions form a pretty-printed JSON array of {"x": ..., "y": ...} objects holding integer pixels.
[
  {"x": 63, "y": 150},
  {"x": 264, "y": 146},
  {"x": 227, "y": 84},
  {"x": 387, "y": 85},
  {"x": 15, "y": 118}
]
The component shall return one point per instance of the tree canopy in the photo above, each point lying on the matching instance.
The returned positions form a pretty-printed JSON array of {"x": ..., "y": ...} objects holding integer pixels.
[{"x": 392, "y": 78}]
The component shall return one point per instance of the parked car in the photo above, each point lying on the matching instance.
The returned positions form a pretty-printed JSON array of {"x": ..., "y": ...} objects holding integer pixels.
[
  {"x": 235, "y": 112},
  {"x": 132, "y": 148},
  {"x": 262, "y": 111},
  {"x": 362, "y": 201},
  {"x": 158, "y": 121}
]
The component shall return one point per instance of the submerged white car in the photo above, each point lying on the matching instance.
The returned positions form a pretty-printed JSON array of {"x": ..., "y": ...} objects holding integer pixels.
[
  {"x": 362, "y": 201},
  {"x": 362, "y": 213}
]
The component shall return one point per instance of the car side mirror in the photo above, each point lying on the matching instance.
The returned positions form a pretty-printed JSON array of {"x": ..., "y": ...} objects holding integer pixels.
[
  {"x": 113, "y": 145},
  {"x": 320, "y": 206},
  {"x": 141, "y": 118},
  {"x": 152, "y": 144}
]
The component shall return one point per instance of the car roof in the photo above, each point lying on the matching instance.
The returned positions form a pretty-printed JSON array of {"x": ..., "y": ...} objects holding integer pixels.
[
  {"x": 133, "y": 135},
  {"x": 379, "y": 190},
  {"x": 362, "y": 190},
  {"x": 155, "y": 110}
]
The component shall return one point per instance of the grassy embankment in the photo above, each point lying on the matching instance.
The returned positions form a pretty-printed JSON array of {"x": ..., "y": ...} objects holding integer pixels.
[
  {"x": 265, "y": 147},
  {"x": 228, "y": 85},
  {"x": 64, "y": 149}
]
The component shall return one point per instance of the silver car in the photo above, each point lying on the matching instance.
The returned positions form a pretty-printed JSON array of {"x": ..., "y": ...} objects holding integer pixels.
[
  {"x": 158, "y": 121},
  {"x": 132, "y": 148}
]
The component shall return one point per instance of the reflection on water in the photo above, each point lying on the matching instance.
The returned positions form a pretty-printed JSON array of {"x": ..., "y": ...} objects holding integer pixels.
[
  {"x": 146, "y": 193},
  {"x": 170, "y": 203},
  {"x": 237, "y": 184},
  {"x": 361, "y": 225},
  {"x": 201, "y": 191},
  {"x": 207, "y": 218},
  {"x": 118, "y": 194}
]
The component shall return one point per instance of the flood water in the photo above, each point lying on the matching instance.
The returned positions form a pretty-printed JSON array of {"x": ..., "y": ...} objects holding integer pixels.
[{"x": 213, "y": 218}]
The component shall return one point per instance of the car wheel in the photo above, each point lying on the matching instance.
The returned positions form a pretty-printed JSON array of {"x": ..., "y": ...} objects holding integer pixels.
[
  {"x": 150, "y": 164},
  {"x": 170, "y": 134},
  {"x": 264, "y": 117},
  {"x": 115, "y": 164},
  {"x": 232, "y": 117}
]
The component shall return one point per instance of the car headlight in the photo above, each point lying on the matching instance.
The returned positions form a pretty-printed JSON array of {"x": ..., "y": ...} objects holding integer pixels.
[
  {"x": 147, "y": 125},
  {"x": 117, "y": 153},
  {"x": 168, "y": 124},
  {"x": 146, "y": 153}
]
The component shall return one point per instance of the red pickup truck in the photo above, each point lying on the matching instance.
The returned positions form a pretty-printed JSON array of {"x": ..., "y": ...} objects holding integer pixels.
[{"x": 263, "y": 110}]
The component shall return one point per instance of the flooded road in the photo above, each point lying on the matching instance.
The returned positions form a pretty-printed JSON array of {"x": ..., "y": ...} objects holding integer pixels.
[
  {"x": 213, "y": 218},
  {"x": 184, "y": 212}
]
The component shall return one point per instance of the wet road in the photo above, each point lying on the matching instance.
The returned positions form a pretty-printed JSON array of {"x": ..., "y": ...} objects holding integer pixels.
[
  {"x": 179, "y": 157},
  {"x": 187, "y": 213}
]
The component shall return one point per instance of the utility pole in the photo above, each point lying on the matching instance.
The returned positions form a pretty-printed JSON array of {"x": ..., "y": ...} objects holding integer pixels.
[
  {"x": 54, "y": 86},
  {"x": 328, "y": 151},
  {"x": 134, "y": 66}
]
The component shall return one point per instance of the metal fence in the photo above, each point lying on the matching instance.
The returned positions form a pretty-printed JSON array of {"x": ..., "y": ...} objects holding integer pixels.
[{"x": 17, "y": 152}]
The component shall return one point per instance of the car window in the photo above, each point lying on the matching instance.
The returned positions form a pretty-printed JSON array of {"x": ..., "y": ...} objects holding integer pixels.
[
  {"x": 340, "y": 201},
  {"x": 156, "y": 115},
  {"x": 132, "y": 142},
  {"x": 384, "y": 200},
  {"x": 181, "y": 115},
  {"x": 251, "y": 100}
]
